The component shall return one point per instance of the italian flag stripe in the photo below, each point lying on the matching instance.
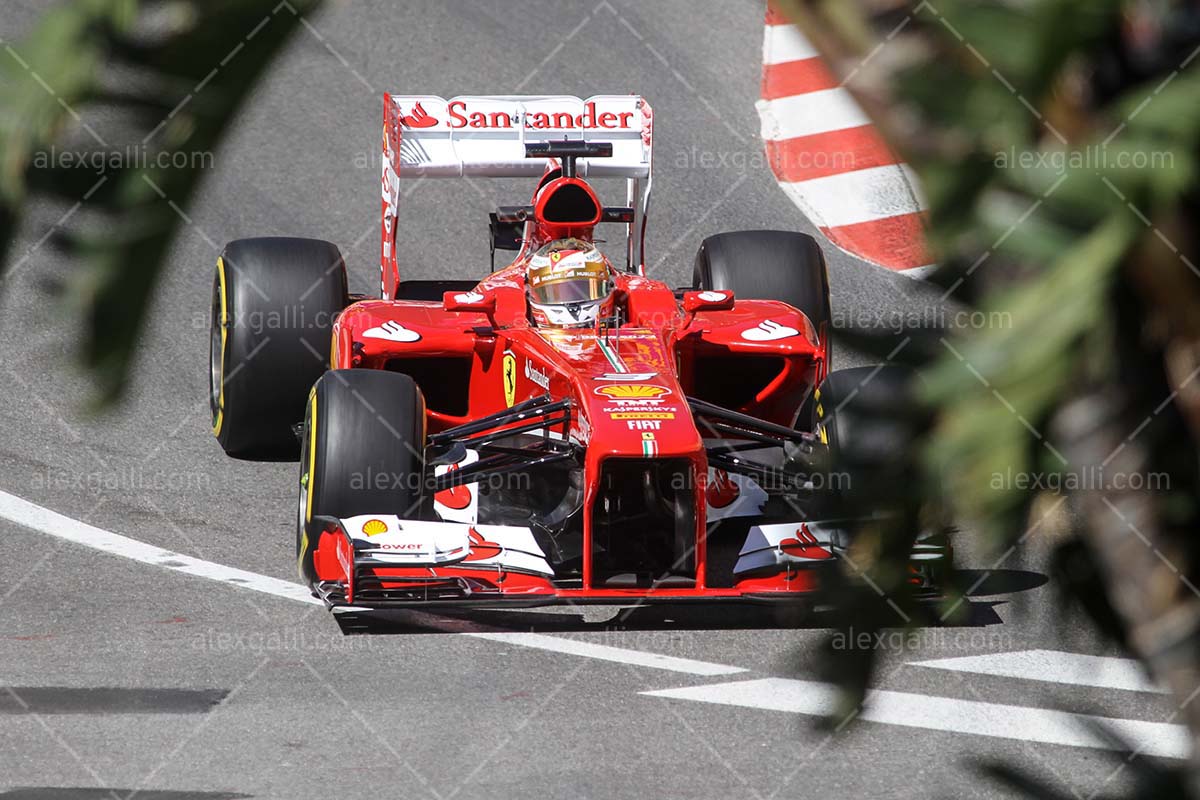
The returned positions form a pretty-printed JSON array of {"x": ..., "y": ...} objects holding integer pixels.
[{"x": 614, "y": 360}]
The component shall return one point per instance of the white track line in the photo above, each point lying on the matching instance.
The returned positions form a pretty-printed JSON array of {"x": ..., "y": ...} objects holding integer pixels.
[
  {"x": 43, "y": 520},
  {"x": 946, "y": 714},
  {"x": 1053, "y": 666},
  {"x": 777, "y": 694},
  {"x": 603, "y": 652}
]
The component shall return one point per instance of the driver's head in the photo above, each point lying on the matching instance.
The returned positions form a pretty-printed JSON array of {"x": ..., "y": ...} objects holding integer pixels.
[{"x": 569, "y": 283}]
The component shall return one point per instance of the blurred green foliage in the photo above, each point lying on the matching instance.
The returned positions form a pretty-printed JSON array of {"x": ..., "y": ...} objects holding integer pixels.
[
  {"x": 1057, "y": 143},
  {"x": 175, "y": 73}
]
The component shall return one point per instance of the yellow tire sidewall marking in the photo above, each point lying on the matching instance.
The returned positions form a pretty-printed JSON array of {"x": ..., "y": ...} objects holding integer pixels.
[
  {"x": 312, "y": 456},
  {"x": 224, "y": 335}
]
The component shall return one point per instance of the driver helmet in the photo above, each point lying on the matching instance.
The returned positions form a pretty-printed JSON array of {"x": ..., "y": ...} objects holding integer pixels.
[{"x": 570, "y": 284}]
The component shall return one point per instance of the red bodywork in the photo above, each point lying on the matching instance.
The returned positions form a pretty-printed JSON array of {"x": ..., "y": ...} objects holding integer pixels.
[{"x": 472, "y": 364}]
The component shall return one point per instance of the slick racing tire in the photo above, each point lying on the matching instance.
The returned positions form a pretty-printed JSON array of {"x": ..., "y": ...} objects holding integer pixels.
[
  {"x": 767, "y": 265},
  {"x": 274, "y": 303},
  {"x": 771, "y": 265},
  {"x": 865, "y": 418},
  {"x": 362, "y": 452},
  {"x": 872, "y": 424}
]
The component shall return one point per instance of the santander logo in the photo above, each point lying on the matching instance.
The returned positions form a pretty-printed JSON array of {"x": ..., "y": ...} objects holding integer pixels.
[
  {"x": 456, "y": 497},
  {"x": 392, "y": 331},
  {"x": 460, "y": 115},
  {"x": 722, "y": 490},
  {"x": 769, "y": 331},
  {"x": 804, "y": 545},
  {"x": 481, "y": 548},
  {"x": 419, "y": 118}
]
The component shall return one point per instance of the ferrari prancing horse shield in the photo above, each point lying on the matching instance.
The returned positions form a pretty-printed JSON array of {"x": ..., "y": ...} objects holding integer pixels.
[{"x": 509, "y": 370}]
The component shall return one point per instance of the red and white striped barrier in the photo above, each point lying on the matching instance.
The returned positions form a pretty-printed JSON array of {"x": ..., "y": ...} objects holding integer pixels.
[{"x": 832, "y": 162}]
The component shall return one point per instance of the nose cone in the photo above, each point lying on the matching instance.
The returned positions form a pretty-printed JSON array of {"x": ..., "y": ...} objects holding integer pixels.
[{"x": 639, "y": 415}]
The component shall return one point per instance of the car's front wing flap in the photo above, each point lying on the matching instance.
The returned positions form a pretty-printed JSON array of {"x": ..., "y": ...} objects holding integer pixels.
[{"x": 383, "y": 560}]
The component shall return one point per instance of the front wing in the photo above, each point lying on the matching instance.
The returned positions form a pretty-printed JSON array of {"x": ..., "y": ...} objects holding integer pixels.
[{"x": 380, "y": 561}]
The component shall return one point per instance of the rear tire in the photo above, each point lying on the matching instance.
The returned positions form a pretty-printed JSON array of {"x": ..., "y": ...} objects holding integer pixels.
[
  {"x": 771, "y": 265},
  {"x": 362, "y": 453},
  {"x": 274, "y": 303},
  {"x": 767, "y": 265}
]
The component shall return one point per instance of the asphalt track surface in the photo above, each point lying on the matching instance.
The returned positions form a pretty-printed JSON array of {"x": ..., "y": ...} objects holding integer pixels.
[{"x": 182, "y": 687}]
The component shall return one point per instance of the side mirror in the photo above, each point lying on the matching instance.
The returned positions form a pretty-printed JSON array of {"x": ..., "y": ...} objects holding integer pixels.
[
  {"x": 477, "y": 302},
  {"x": 707, "y": 300}
]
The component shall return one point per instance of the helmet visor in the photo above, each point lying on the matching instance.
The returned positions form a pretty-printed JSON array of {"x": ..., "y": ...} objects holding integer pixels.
[
  {"x": 581, "y": 289},
  {"x": 574, "y": 278}
]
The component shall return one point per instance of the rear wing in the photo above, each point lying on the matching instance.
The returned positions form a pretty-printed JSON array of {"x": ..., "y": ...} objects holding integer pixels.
[{"x": 425, "y": 136}]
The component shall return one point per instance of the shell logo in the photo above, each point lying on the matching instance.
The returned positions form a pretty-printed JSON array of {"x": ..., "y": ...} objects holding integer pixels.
[
  {"x": 374, "y": 527},
  {"x": 632, "y": 391}
]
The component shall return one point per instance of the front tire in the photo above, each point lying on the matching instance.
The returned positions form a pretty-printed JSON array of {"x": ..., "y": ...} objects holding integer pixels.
[
  {"x": 871, "y": 422},
  {"x": 362, "y": 453},
  {"x": 273, "y": 307},
  {"x": 863, "y": 416}
]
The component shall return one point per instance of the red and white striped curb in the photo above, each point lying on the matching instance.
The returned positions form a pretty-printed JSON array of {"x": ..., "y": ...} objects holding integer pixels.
[{"x": 832, "y": 162}]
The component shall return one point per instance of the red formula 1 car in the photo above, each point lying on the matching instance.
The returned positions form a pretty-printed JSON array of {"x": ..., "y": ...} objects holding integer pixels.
[{"x": 564, "y": 430}]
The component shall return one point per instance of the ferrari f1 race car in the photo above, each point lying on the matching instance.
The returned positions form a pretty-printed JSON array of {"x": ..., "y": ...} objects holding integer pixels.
[{"x": 568, "y": 428}]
